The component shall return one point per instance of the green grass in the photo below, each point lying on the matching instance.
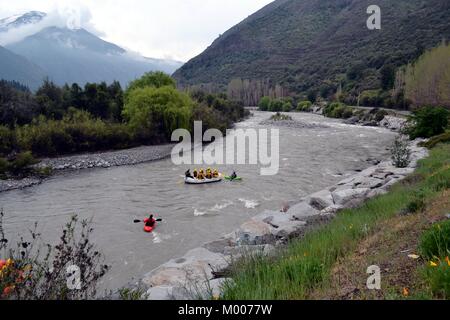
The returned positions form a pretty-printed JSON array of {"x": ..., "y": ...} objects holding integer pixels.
[{"x": 306, "y": 264}]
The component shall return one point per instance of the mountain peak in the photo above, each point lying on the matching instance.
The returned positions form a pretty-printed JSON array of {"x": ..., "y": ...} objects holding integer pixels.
[{"x": 20, "y": 20}]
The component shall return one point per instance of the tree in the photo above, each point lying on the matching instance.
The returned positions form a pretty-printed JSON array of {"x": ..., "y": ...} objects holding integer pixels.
[
  {"x": 156, "y": 79},
  {"x": 387, "y": 77},
  {"x": 50, "y": 99},
  {"x": 427, "y": 80},
  {"x": 155, "y": 112}
]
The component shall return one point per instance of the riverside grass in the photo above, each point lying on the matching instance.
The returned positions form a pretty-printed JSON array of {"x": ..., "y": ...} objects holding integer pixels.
[{"x": 306, "y": 264}]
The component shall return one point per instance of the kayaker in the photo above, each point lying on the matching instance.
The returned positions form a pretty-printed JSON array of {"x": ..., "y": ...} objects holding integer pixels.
[
  {"x": 150, "y": 222},
  {"x": 233, "y": 175}
]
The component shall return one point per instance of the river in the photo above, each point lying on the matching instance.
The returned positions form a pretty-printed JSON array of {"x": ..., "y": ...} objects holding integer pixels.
[{"x": 310, "y": 160}]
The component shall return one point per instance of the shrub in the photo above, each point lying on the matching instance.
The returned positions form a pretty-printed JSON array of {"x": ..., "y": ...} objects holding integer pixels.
[
  {"x": 380, "y": 114},
  {"x": 38, "y": 271},
  {"x": 304, "y": 106},
  {"x": 22, "y": 163},
  {"x": 287, "y": 106},
  {"x": 276, "y": 105},
  {"x": 427, "y": 122},
  {"x": 442, "y": 138},
  {"x": 348, "y": 113},
  {"x": 4, "y": 168},
  {"x": 264, "y": 104},
  {"x": 438, "y": 278},
  {"x": 7, "y": 140},
  {"x": 435, "y": 248},
  {"x": 338, "y": 110},
  {"x": 400, "y": 153},
  {"x": 436, "y": 241},
  {"x": 280, "y": 117}
]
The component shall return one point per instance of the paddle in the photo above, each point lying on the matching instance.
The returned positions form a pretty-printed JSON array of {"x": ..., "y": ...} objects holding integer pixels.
[{"x": 139, "y": 221}]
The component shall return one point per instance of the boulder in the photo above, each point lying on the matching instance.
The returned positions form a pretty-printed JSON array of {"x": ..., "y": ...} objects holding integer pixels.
[
  {"x": 351, "y": 120},
  {"x": 289, "y": 229},
  {"x": 350, "y": 197},
  {"x": 302, "y": 211},
  {"x": 273, "y": 218},
  {"x": 196, "y": 265},
  {"x": 254, "y": 232},
  {"x": 332, "y": 210},
  {"x": 369, "y": 183},
  {"x": 216, "y": 285},
  {"x": 160, "y": 293},
  {"x": 321, "y": 200},
  {"x": 218, "y": 246}
]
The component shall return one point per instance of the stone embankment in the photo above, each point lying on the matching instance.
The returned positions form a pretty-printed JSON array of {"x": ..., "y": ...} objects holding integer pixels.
[{"x": 197, "y": 274}]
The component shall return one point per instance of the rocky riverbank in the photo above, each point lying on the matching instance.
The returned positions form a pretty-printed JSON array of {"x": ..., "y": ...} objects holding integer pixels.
[
  {"x": 197, "y": 273},
  {"x": 92, "y": 160},
  {"x": 293, "y": 124}
]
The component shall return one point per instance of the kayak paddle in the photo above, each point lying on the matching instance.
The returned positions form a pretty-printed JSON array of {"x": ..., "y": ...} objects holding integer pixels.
[{"x": 139, "y": 221}]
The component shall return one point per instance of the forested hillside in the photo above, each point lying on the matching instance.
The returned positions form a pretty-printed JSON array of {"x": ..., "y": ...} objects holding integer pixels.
[{"x": 320, "y": 47}]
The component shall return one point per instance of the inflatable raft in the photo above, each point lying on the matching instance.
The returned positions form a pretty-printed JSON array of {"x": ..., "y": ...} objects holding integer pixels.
[{"x": 204, "y": 181}]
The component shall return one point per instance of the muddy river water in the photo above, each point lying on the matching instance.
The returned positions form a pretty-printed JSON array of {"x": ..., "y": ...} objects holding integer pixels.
[{"x": 310, "y": 159}]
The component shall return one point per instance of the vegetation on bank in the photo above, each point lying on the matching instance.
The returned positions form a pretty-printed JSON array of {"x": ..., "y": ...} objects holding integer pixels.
[
  {"x": 33, "y": 270},
  {"x": 63, "y": 120},
  {"x": 280, "y": 117},
  {"x": 306, "y": 265}
]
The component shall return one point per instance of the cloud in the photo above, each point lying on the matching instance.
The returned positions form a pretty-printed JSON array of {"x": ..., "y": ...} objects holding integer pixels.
[
  {"x": 72, "y": 17},
  {"x": 176, "y": 29}
]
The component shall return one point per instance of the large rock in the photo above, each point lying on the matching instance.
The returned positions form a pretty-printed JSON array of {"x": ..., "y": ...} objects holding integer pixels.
[
  {"x": 254, "y": 232},
  {"x": 331, "y": 210},
  {"x": 289, "y": 229},
  {"x": 321, "y": 200},
  {"x": 302, "y": 211},
  {"x": 369, "y": 183},
  {"x": 392, "y": 123},
  {"x": 160, "y": 293},
  {"x": 218, "y": 246},
  {"x": 273, "y": 218},
  {"x": 196, "y": 265},
  {"x": 350, "y": 197}
]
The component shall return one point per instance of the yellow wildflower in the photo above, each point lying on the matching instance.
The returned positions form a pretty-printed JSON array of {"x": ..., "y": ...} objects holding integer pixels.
[
  {"x": 433, "y": 264},
  {"x": 405, "y": 292}
]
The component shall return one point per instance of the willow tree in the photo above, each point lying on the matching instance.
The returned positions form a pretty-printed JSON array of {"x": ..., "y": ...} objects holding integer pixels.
[
  {"x": 427, "y": 81},
  {"x": 156, "y": 112}
]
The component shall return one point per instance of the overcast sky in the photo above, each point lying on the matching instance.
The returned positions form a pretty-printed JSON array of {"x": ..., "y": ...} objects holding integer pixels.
[{"x": 176, "y": 29}]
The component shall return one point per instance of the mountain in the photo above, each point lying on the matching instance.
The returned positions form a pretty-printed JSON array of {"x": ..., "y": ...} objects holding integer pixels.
[
  {"x": 319, "y": 45},
  {"x": 76, "y": 55},
  {"x": 21, "y": 20},
  {"x": 14, "y": 67}
]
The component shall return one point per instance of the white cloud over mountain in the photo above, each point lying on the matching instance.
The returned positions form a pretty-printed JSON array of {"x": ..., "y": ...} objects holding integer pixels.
[{"x": 176, "y": 29}]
